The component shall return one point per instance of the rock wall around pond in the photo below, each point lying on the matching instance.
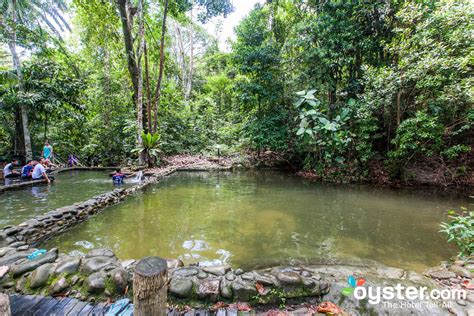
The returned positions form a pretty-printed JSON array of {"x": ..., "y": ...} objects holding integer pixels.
[
  {"x": 42, "y": 227},
  {"x": 99, "y": 275}
]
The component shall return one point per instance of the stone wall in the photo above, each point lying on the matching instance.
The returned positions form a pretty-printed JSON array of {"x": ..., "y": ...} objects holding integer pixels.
[
  {"x": 100, "y": 276},
  {"x": 45, "y": 226}
]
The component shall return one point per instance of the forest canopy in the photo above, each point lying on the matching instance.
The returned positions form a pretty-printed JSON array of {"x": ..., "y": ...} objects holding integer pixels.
[{"x": 344, "y": 89}]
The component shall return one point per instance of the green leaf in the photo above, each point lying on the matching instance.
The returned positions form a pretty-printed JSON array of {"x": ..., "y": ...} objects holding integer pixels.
[{"x": 323, "y": 120}]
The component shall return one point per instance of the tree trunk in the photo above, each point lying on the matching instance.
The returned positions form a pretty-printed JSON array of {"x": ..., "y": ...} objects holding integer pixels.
[
  {"x": 24, "y": 110},
  {"x": 148, "y": 91},
  {"x": 107, "y": 94},
  {"x": 141, "y": 44},
  {"x": 191, "y": 60},
  {"x": 126, "y": 17},
  {"x": 150, "y": 287},
  {"x": 399, "y": 95},
  {"x": 156, "y": 100},
  {"x": 183, "y": 59}
]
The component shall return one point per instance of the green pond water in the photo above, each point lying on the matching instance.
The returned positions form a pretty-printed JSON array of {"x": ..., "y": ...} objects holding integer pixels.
[
  {"x": 68, "y": 188},
  {"x": 257, "y": 219}
]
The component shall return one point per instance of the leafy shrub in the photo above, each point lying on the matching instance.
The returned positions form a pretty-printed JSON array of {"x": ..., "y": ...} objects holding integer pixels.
[
  {"x": 453, "y": 152},
  {"x": 419, "y": 135},
  {"x": 326, "y": 136},
  {"x": 460, "y": 230}
]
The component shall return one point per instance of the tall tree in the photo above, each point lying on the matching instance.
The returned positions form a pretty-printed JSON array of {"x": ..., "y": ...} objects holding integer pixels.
[
  {"x": 156, "y": 100},
  {"x": 30, "y": 14},
  {"x": 209, "y": 9}
]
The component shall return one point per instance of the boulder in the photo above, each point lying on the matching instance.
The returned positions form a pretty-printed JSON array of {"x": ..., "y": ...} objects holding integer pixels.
[
  {"x": 95, "y": 283},
  {"x": 441, "y": 274},
  {"x": 120, "y": 278},
  {"x": 181, "y": 287},
  {"x": 95, "y": 264},
  {"x": 174, "y": 263},
  {"x": 12, "y": 258},
  {"x": 243, "y": 290},
  {"x": 208, "y": 289},
  {"x": 288, "y": 278},
  {"x": 68, "y": 265},
  {"x": 5, "y": 250},
  {"x": 238, "y": 271},
  {"x": 126, "y": 264},
  {"x": 185, "y": 272},
  {"x": 60, "y": 286},
  {"x": 249, "y": 276},
  {"x": 40, "y": 276},
  {"x": 461, "y": 271},
  {"x": 230, "y": 276},
  {"x": 217, "y": 270},
  {"x": 225, "y": 288},
  {"x": 3, "y": 271},
  {"x": 17, "y": 244},
  {"x": 100, "y": 252},
  {"x": 12, "y": 230},
  {"x": 264, "y": 279},
  {"x": 30, "y": 265}
]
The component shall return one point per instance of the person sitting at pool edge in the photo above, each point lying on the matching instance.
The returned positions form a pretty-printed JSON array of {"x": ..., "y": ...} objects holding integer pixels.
[
  {"x": 27, "y": 169},
  {"x": 9, "y": 172},
  {"x": 39, "y": 172},
  {"x": 118, "y": 177}
]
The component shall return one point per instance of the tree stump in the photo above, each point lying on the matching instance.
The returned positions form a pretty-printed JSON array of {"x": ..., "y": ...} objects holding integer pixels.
[
  {"x": 4, "y": 304},
  {"x": 150, "y": 287}
]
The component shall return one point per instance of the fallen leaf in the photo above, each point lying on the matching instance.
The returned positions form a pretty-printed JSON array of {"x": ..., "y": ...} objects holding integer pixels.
[
  {"x": 329, "y": 308},
  {"x": 260, "y": 288},
  {"x": 241, "y": 306},
  {"x": 218, "y": 305}
]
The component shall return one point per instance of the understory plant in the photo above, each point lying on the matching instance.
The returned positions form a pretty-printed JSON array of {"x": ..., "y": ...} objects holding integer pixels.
[
  {"x": 460, "y": 230},
  {"x": 149, "y": 148},
  {"x": 326, "y": 135}
]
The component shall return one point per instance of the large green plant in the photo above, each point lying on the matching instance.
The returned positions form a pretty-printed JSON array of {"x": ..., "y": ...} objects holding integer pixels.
[
  {"x": 149, "y": 148},
  {"x": 460, "y": 230},
  {"x": 325, "y": 134}
]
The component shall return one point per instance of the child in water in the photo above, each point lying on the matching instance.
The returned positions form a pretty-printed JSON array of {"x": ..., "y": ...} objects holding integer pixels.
[{"x": 118, "y": 177}]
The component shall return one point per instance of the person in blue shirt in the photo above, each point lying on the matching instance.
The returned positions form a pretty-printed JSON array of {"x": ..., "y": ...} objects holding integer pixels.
[
  {"x": 118, "y": 177},
  {"x": 27, "y": 169},
  {"x": 47, "y": 151}
]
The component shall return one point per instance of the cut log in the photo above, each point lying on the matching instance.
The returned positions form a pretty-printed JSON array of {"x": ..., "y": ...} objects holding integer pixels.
[{"x": 150, "y": 287}]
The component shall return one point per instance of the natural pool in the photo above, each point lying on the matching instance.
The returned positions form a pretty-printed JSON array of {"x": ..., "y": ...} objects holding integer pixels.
[
  {"x": 68, "y": 188},
  {"x": 257, "y": 219}
]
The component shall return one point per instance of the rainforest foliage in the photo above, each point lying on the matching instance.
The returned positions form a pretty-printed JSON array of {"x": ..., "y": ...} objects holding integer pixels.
[{"x": 344, "y": 89}]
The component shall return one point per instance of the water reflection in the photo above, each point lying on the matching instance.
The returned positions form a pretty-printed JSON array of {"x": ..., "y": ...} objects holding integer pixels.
[
  {"x": 68, "y": 188},
  {"x": 257, "y": 219}
]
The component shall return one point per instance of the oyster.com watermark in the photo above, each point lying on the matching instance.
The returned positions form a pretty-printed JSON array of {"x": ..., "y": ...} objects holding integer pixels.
[{"x": 406, "y": 296}]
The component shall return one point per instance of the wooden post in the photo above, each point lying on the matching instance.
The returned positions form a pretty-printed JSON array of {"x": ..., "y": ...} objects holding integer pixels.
[
  {"x": 150, "y": 287},
  {"x": 4, "y": 304}
]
